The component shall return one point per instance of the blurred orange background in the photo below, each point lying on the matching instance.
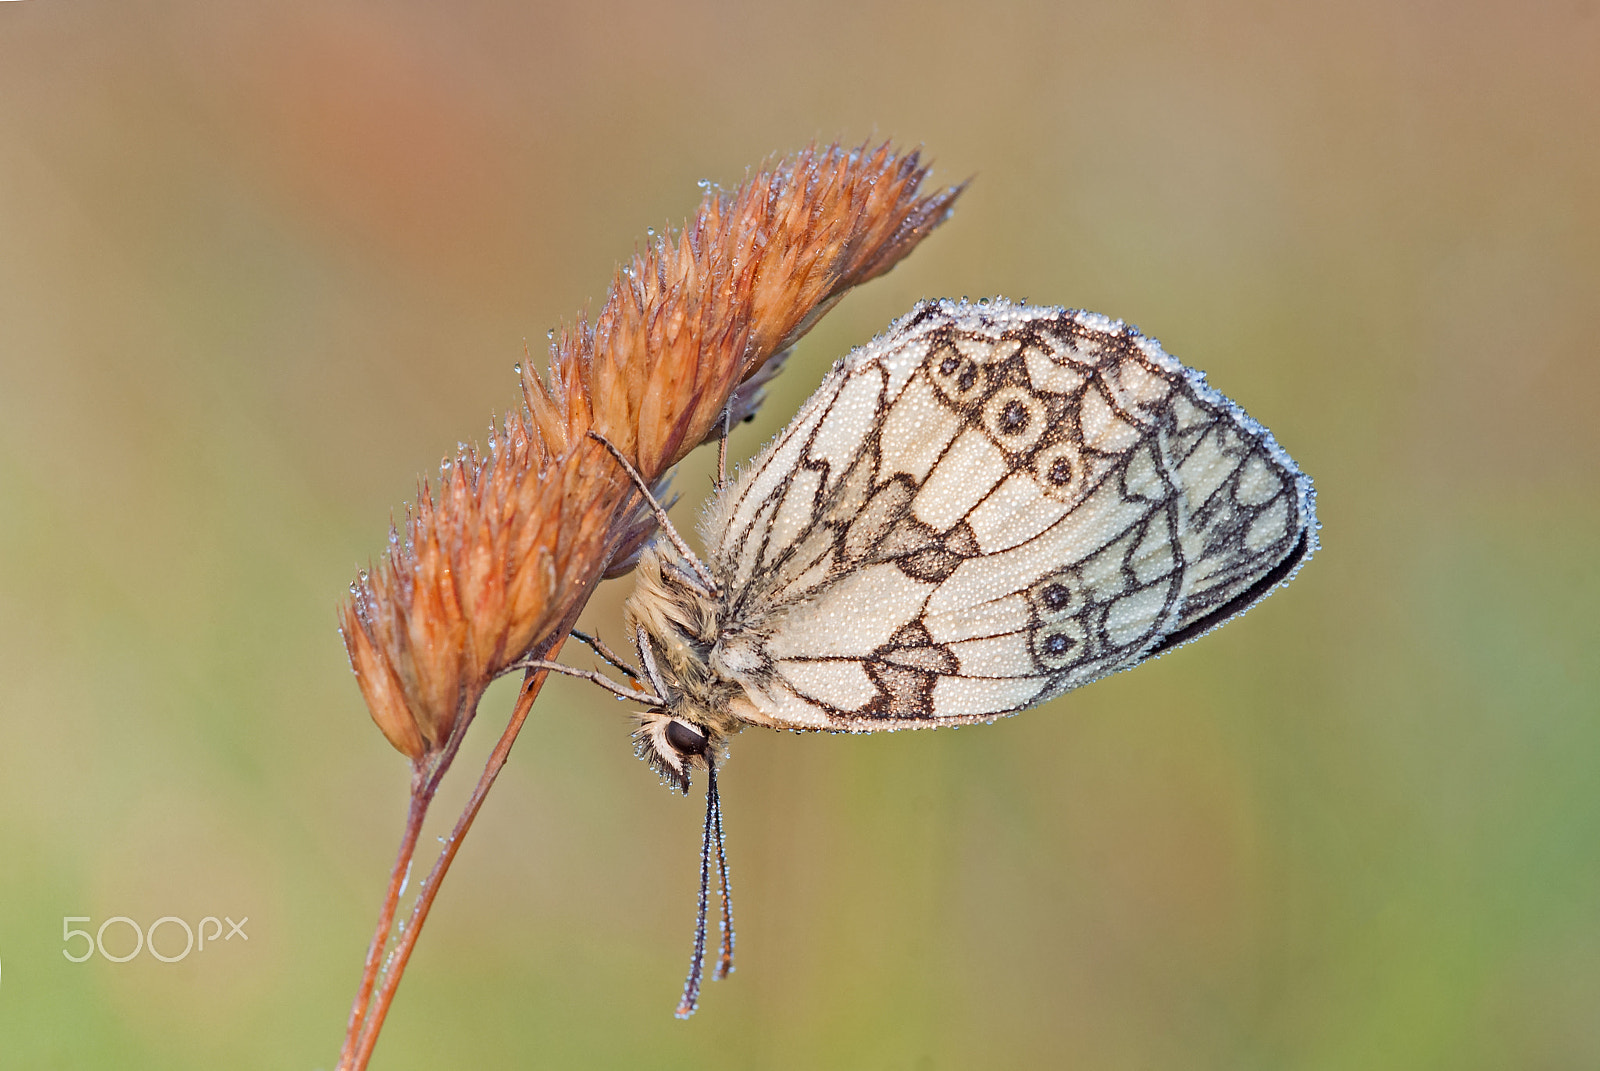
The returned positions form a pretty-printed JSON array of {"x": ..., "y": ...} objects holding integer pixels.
[{"x": 263, "y": 265}]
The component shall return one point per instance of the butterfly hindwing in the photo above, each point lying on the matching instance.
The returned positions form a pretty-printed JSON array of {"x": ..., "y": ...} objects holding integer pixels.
[{"x": 986, "y": 507}]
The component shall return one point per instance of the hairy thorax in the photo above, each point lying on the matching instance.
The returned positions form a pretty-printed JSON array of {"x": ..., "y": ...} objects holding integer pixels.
[{"x": 700, "y": 658}]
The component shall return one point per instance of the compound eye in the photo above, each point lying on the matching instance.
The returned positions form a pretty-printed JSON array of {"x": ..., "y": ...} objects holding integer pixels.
[{"x": 686, "y": 739}]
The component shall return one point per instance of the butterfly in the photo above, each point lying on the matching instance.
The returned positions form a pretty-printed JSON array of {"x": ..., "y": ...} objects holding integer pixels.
[{"x": 987, "y": 506}]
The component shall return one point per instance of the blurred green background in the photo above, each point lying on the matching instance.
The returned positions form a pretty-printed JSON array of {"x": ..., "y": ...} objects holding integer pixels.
[{"x": 261, "y": 265}]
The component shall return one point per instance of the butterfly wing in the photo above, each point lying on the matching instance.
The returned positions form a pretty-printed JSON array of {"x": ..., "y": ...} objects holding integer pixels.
[{"x": 988, "y": 506}]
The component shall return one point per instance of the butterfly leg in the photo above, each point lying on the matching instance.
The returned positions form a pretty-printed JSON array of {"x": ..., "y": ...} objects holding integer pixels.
[
  {"x": 661, "y": 515},
  {"x": 589, "y": 675},
  {"x": 598, "y": 647},
  {"x": 641, "y": 643},
  {"x": 722, "y": 446}
]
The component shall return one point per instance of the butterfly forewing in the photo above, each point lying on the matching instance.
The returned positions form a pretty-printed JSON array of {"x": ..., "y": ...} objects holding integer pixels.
[{"x": 986, "y": 507}]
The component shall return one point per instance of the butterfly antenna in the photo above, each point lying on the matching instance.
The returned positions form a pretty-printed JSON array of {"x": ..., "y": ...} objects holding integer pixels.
[
  {"x": 697, "y": 963},
  {"x": 725, "y": 960},
  {"x": 661, "y": 515}
]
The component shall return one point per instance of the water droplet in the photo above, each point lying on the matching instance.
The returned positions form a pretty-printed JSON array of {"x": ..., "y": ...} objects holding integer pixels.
[
  {"x": 550, "y": 333},
  {"x": 517, "y": 368}
]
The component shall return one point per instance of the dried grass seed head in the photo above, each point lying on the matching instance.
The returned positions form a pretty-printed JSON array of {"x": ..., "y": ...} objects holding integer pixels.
[{"x": 497, "y": 560}]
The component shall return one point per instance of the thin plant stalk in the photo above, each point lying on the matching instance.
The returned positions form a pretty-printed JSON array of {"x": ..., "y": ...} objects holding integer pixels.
[
  {"x": 377, "y": 991},
  {"x": 425, "y": 781},
  {"x": 420, "y": 799}
]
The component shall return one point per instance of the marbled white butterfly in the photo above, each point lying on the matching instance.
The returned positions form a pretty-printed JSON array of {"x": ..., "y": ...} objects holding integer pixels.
[{"x": 987, "y": 506}]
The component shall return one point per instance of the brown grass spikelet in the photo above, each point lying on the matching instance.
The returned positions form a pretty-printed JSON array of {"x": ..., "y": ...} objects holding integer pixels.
[{"x": 496, "y": 559}]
